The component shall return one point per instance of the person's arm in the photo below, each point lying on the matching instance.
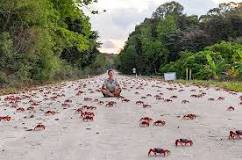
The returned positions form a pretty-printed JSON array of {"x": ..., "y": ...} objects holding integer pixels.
[
  {"x": 104, "y": 85},
  {"x": 117, "y": 84}
]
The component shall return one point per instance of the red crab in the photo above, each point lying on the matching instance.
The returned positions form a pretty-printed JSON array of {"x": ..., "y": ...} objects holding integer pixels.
[
  {"x": 235, "y": 134},
  {"x": 144, "y": 124},
  {"x": 30, "y": 108},
  {"x": 146, "y": 106},
  {"x": 110, "y": 104},
  {"x": 159, "y": 98},
  {"x": 125, "y": 100},
  {"x": 87, "y": 118},
  {"x": 167, "y": 100},
  {"x": 183, "y": 142},
  {"x": 20, "y": 109},
  {"x": 100, "y": 102},
  {"x": 160, "y": 151},
  {"x": 159, "y": 123},
  {"x": 185, "y": 101},
  {"x": 79, "y": 93},
  {"x": 66, "y": 105},
  {"x": 173, "y": 97},
  {"x": 5, "y": 118},
  {"x": 79, "y": 110},
  {"x": 221, "y": 98},
  {"x": 68, "y": 101},
  {"x": 39, "y": 127},
  {"x": 146, "y": 119},
  {"x": 139, "y": 102},
  {"x": 83, "y": 114},
  {"x": 190, "y": 116},
  {"x": 230, "y": 108},
  {"x": 50, "y": 113}
]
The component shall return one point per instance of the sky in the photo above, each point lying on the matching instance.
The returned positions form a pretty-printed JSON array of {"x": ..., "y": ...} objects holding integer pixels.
[{"x": 121, "y": 17}]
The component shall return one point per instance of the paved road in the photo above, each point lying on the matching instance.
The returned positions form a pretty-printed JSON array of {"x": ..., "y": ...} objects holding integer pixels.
[{"x": 115, "y": 133}]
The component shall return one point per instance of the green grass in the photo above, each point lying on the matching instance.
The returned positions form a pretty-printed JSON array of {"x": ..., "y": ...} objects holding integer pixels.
[
  {"x": 229, "y": 85},
  {"x": 17, "y": 88}
]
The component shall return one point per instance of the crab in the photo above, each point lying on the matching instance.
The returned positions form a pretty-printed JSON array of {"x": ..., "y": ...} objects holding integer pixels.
[
  {"x": 171, "y": 89},
  {"x": 221, "y": 98},
  {"x": 195, "y": 96},
  {"x": 87, "y": 118},
  {"x": 5, "y": 118},
  {"x": 83, "y": 114},
  {"x": 50, "y": 113},
  {"x": 167, "y": 100},
  {"x": 39, "y": 127},
  {"x": 159, "y": 123},
  {"x": 230, "y": 108},
  {"x": 140, "y": 102},
  {"x": 235, "y": 134},
  {"x": 100, "y": 102},
  {"x": 79, "y": 110},
  {"x": 110, "y": 104},
  {"x": 183, "y": 142},
  {"x": 65, "y": 105},
  {"x": 79, "y": 93},
  {"x": 146, "y": 106},
  {"x": 92, "y": 108},
  {"x": 190, "y": 116},
  {"x": 20, "y": 109},
  {"x": 89, "y": 107},
  {"x": 35, "y": 103},
  {"x": 159, "y": 98},
  {"x": 144, "y": 124},
  {"x": 53, "y": 98},
  {"x": 125, "y": 100},
  {"x": 185, "y": 101},
  {"x": 95, "y": 100},
  {"x": 68, "y": 101},
  {"x": 173, "y": 97},
  {"x": 160, "y": 151},
  {"x": 148, "y": 119},
  {"x": 30, "y": 108}
]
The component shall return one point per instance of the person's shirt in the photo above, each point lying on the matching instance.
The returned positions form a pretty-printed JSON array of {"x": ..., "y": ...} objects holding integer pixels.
[{"x": 110, "y": 84}]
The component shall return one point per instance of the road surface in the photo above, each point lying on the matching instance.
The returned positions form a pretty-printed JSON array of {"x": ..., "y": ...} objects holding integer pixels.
[{"x": 115, "y": 133}]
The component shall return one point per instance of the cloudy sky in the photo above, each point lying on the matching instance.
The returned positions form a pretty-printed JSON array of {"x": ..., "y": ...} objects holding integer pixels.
[{"x": 121, "y": 17}]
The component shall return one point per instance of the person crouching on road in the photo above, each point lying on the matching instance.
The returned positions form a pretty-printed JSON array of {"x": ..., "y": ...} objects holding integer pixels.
[{"x": 111, "y": 87}]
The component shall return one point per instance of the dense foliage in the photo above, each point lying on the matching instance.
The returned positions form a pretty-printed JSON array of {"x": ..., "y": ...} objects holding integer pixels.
[
  {"x": 45, "y": 39},
  {"x": 210, "y": 45}
]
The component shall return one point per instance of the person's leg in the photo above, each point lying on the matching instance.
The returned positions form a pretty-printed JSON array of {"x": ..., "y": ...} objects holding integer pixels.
[
  {"x": 107, "y": 92},
  {"x": 117, "y": 92}
]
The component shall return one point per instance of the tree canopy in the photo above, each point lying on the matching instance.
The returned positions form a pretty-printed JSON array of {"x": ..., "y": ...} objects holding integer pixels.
[
  {"x": 173, "y": 41},
  {"x": 45, "y": 39}
]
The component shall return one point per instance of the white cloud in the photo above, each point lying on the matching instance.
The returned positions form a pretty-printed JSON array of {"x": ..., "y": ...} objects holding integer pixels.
[
  {"x": 121, "y": 17},
  {"x": 226, "y": 1}
]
